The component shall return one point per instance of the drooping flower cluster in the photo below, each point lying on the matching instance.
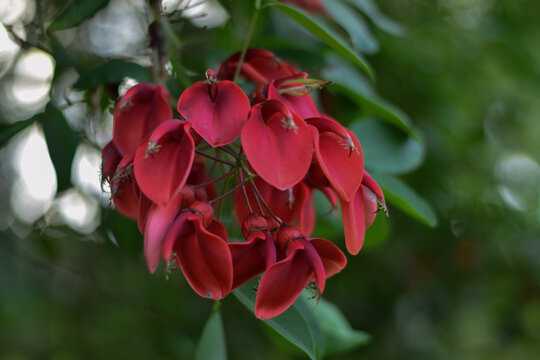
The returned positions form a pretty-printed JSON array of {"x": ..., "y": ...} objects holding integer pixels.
[{"x": 278, "y": 148}]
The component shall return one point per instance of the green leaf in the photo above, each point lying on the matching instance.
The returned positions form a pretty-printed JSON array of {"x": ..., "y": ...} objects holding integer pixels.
[
  {"x": 377, "y": 233},
  {"x": 353, "y": 85},
  {"x": 75, "y": 13},
  {"x": 212, "y": 345},
  {"x": 353, "y": 23},
  {"x": 62, "y": 143},
  {"x": 387, "y": 149},
  {"x": 325, "y": 34},
  {"x": 294, "y": 324},
  {"x": 112, "y": 72},
  {"x": 403, "y": 197},
  {"x": 10, "y": 130},
  {"x": 371, "y": 10},
  {"x": 340, "y": 336}
]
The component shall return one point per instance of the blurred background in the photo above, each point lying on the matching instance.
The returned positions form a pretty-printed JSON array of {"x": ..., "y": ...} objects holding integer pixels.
[{"x": 454, "y": 272}]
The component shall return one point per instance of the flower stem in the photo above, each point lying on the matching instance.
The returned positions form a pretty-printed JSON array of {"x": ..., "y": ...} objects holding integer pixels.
[
  {"x": 209, "y": 182},
  {"x": 241, "y": 175},
  {"x": 258, "y": 195},
  {"x": 230, "y": 192},
  {"x": 215, "y": 158},
  {"x": 246, "y": 43}
]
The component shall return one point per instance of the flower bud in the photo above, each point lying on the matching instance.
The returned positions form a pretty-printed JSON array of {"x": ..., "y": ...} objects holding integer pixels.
[
  {"x": 204, "y": 210},
  {"x": 285, "y": 234},
  {"x": 253, "y": 222}
]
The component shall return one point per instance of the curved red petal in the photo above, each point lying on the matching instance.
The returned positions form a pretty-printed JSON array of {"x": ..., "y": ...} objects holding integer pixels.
[
  {"x": 332, "y": 257},
  {"x": 252, "y": 257},
  {"x": 164, "y": 160},
  {"x": 217, "y": 112},
  {"x": 278, "y": 144},
  {"x": 281, "y": 285},
  {"x": 341, "y": 160},
  {"x": 204, "y": 258},
  {"x": 124, "y": 189},
  {"x": 159, "y": 220},
  {"x": 137, "y": 113},
  {"x": 354, "y": 221}
]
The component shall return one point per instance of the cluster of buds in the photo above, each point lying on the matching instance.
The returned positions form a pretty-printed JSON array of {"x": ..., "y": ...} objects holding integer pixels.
[{"x": 278, "y": 148}]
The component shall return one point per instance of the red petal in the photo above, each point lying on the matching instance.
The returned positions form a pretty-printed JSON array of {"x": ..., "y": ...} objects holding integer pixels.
[
  {"x": 303, "y": 106},
  {"x": 160, "y": 219},
  {"x": 163, "y": 162},
  {"x": 124, "y": 189},
  {"x": 354, "y": 221},
  {"x": 144, "y": 207},
  {"x": 332, "y": 257},
  {"x": 281, "y": 285},
  {"x": 137, "y": 113},
  {"x": 340, "y": 157},
  {"x": 252, "y": 257},
  {"x": 218, "y": 119},
  {"x": 278, "y": 144},
  {"x": 204, "y": 258}
]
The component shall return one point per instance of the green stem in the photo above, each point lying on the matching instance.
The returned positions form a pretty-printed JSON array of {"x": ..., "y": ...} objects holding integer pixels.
[{"x": 246, "y": 43}]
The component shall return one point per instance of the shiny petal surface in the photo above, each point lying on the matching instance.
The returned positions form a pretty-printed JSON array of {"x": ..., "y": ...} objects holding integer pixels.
[
  {"x": 216, "y": 112},
  {"x": 281, "y": 285},
  {"x": 164, "y": 160},
  {"x": 160, "y": 219},
  {"x": 204, "y": 258},
  {"x": 354, "y": 221},
  {"x": 340, "y": 157},
  {"x": 278, "y": 144},
  {"x": 138, "y": 113}
]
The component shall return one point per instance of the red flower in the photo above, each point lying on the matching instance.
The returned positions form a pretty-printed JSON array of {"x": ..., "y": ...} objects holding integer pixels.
[
  {"x": 305, "y": 260},
  {"x": 110, "y": 158},
  {"x": 359, "y": 213},
  {"x": 198, "y": 245},
  {"x": 159, "y": 220},
  {"x": 163, "y": 161},
  {"x": 256, "y": 254},
  {"x": 137, "y": 113},
  {"x": 278, "y": 144},
  {"x": 259, "y": 66},
  {"x": 216, "y": 111},
  {"x": 124, "y": 189},
  {"x": 339, "y": 155},
  {"x": 294, "y": 91},
  {"x": 293, "y": 206}
]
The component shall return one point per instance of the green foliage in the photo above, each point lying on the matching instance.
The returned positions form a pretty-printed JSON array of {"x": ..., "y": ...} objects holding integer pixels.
[
  {"x": 76, "y": 12},
  {"x": 212, "y": 345},
  {"x": 294, "y": 324},
  {"x": 62, "y": 143},
  {"x": 403, "y": 197},
  {"x": 112, "y": 72},
  {"x": 325, "y": 34}
]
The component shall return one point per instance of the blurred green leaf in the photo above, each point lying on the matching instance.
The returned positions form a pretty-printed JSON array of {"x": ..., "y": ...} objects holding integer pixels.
[
  {"x": 371, "y": 10},
  {"x": 325, "y": 34},
  {"x": 355, "y": 26},
  {"x": 62, "y": 143},
  {"x": 403, "y": 197},
  {"x": 112, "y": 72},
  {"x": 212, "y": 345},
  {"x": 293, "y": 325},
  {"x": 352, "y": 84},
  {"x": 387, "y": 149},
  {"x": 377, "y": 233},
  {"x": 10, "y": 130},
  {"x": 339, "y": 334},
  {"x": 75, "y": 13}
]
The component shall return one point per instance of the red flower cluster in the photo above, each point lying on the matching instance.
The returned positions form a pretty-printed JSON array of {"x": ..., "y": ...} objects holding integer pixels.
[{"x": 279, "y": 148}]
